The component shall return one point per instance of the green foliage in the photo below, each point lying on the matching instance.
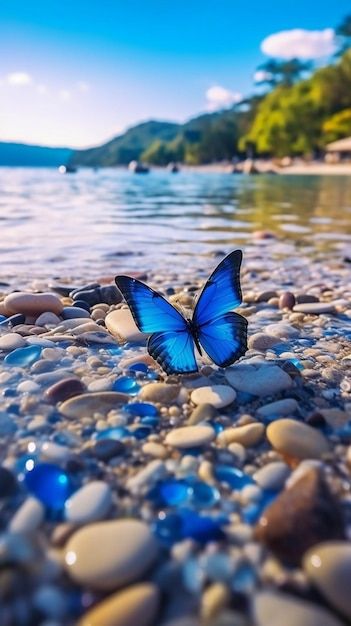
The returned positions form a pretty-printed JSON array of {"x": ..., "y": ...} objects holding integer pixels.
[
  {"x": 337, "y": 126},
  {"x": 283, "y": 72}
]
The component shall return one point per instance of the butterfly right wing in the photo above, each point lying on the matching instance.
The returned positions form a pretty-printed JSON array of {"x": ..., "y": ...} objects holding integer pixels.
[
  {"x": 151, "y": 312},
  {"x": 224, "y": 339},
  {"x": 174, "y": 351}
]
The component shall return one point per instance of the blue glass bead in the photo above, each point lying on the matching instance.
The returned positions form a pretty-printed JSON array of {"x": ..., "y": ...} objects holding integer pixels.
[
  {"x": 234, "y": 477},
  {"x": 2, "y": 318},
  {"x": 174, "y": 492},
  {"x": 168, "y": 528},
  {"x": 217, "y": 427},
  {"x": 141, "y": 432},
  {"x": 244, "y": 578},
  {"x": 200, "y": 528},
  {"x": 14, "y": 320},
  {"x": 297, "y": 363},
  {"x": 22, "y": 357},
  {"x": 26, "y": 462},
  {"x": 126, "y": 385},
  {"x": 138, "y": 367},
  {"x": 149, "y": 421},
  {"x": 50, "y": 484},
  {"x": 9, "y": 393},
  {"x": 279, "y": 348},
  {"x": 141, "y": 409},
  {"x": 114, "y": 349},
  {"x": 117, "y": 432},
  {"x": 203, "y": 494}
]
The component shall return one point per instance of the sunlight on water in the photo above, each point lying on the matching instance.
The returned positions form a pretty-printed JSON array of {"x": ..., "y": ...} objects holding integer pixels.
[{"x": 96, "y": 223}]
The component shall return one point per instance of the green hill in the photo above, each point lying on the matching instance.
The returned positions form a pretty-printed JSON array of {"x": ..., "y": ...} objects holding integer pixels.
[{"x": 24, "y": 155}]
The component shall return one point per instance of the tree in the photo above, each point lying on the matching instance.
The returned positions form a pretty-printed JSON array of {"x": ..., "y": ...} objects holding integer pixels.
[
  {"x": 274, "y": 73},
  {"x": 337, "y": 126},
  {"x": 343, "y": 34}
]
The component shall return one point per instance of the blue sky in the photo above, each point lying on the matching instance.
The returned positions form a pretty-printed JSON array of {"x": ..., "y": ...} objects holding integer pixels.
[{"x": 78, "y": 72}]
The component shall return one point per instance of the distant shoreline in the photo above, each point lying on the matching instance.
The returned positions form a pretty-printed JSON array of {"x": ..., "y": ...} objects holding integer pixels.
[{"x": 314, "y": 168}]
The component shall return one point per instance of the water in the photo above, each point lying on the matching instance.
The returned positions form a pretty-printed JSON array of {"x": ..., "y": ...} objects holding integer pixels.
[{"x": 94, "y": 224}]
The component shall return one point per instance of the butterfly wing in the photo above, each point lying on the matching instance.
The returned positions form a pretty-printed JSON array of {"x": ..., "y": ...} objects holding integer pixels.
[
  {"x": 174, "y": 351},
  {"x": 151, "y": 312},
  {"x": 222, "y": 292},
  {"x": 224, "y": 339}
]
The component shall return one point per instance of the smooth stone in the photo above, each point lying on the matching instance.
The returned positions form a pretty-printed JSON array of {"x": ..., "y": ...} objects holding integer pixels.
[
  {"x": 315, "y": 308},
  {"x": 287, "y": 300},
  {"x": 296, "y": 439},
  {"x": 11, "y": 341},
  {"x": 258, "y": 379},
  {"x": 71, "y": 312},
  {"x": 100, "y": 336},
  {"x": 107, "y": 295},
  {"x": 8, "y": 483},
  {"x": 107, "y": 555},
  {"x": 89, "y": 504},
  {"x": 106, "y": 449},
  {"x": 190, "y": 436},
  {"x": 87, "y": 327},
  {"x": 7, "y": 425},
  {"x": 303, "y": 298},
  {"x": 28, "y": 517},
  {"x": 146, "y": 477},
  {"x": 48, "y": 319},
  {"x": 288, "y": 406},
  {"x": 23, "y": 357},
  {"x": 55, "y": 452},
  {"x": 89, "y": 403},
  {"x": 32, "y": 304},
  {"x": 264, "y": 296},
  {"x": 328, "y": 567},
  {"x": 300, "y": 517},
  {"x": 283, "y": 330},
  {"x": 64, "y": 389},
  {"x": 135, "y": 606},
  {"x": 202, "y": 413},
  {"x": 121, "y": 324},
  {"x": 248, "y": 435},
  {"x": 159, "y": 392},
  {"x": 262, "y": 341},
  {"x": 217, "y": 395},
  {"x": 14, "y": 320},
  {"x": 272, "y": 608},
  {"x": 272, "y": 476}
]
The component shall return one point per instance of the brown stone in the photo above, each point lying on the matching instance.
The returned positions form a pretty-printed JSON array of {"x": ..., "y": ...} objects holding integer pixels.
[
  {"x": 301, "y": 517},
  {"x": 64, "y": 389}
]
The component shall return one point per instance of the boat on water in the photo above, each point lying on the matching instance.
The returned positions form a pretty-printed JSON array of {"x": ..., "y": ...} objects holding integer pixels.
[
  {"x": 173, "y": 168},
  {"x": 138, "y": 168},
  {"x": 67, "y": 169}
]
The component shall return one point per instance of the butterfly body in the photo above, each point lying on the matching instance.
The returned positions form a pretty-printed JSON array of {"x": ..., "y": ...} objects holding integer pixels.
[{"x": 214, "y": 328}]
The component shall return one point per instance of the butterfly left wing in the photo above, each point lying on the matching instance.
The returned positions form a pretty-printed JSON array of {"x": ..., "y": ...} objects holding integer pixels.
[
  {"x": 174, "y": 351},
  {"x": 222, "y": 292},
  {"x": 151, "y": 312},
  {"x": 224, "y": 338}
]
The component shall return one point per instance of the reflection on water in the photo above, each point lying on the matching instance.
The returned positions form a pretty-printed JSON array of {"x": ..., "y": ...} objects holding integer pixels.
[{"x": 96, "y": 223}]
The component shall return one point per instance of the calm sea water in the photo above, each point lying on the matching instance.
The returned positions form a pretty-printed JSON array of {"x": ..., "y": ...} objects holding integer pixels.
[{"x": 99, "y": 223}]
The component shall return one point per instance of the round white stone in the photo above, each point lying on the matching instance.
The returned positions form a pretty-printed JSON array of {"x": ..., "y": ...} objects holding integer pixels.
[
  {"x": 28, "y": 517},
  {"x": 274, "y": 609},
  {"x": 218, "y": 396},
  {"x": 89, "y": 504},
  {"x": 190, "y": 436}
]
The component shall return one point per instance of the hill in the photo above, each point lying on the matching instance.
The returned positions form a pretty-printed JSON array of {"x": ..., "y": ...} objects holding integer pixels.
[{"x": 24, "y": 155}]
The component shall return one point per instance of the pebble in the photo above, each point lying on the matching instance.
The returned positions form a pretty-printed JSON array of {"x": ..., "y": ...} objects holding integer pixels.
[
  {"x": 315, "y": 308},
  {"x": 137, "y": 605},
  {"x": 89, "y": 403},
  {"x": 287, "y": 406},
  {"x": 190, "y": 436},
  {"x": 23, "y": 357},
  {"x": 272, "y": 476},
  {"x": 47, "y": 319},
  {"x": 89, "y": 504},
  {"x": 11, "y": 341},
  {"x": 29, "y": 517},
  {"x": 107, "y": 555},
  {"x": 262, "y": 341},
  {"x": 64, "y": 389},
  {"x": 272, "y": 608},
  {"x": 155, "y": 449},
  {"x": 287, "y": 300},
  {"x": 201, "y": 413},
  {"x": 297, "y": 440},
  {"x": 106, "y": 449},
  {"x": 218, "y": 396},
  {"x": 55, "y": 452},
  {"x": 146, "y": 477},
  {"x": 32, "y": 303},
  {"x": 159, "y": 392},
  {"x": 98, "y": 295},
  {"x": 283, "y": 330},
  {"x": 328, "y": 567},
  {"x": 72, "y": 312},
  {"x": 121, "y": 324},
  {"x": 8, "y": 483},
  {"x": 307, "y": 505},
  {"x": 259, "y": 379},
  {"x": 248, "y": 435}
]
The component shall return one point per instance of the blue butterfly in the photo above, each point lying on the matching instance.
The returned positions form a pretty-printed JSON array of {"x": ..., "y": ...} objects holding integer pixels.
[{"x": 220, "y": 332}]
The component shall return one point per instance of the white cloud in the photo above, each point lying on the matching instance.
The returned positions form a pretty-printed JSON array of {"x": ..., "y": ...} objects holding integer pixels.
[
  {"x": 64, "y": 95},
  {"x": 299, "y": 43},
  {"x": 220, "y": 98},
  {"x": 18, "y": 79},
  {"x": 42, "y": 89},
  {"x": 83, "y": 86}
]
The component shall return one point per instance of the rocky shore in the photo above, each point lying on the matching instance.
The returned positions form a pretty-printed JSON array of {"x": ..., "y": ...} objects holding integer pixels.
[{"x": 129, "y": 498}]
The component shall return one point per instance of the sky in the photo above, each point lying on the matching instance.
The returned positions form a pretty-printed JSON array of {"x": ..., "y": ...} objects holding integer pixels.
[{"x": 78, "y": 72}]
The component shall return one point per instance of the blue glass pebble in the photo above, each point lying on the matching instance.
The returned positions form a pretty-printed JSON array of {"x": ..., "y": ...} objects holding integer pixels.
[
  {"x": 23, "y": 357},
  {"x": 125, "y": 384},
  {"x": 148, "y": 420},
  {"x": 141, "y": 409},
  {"x": 168, "y": 528},
  {"x": 203, "y": 495},
  {"x": 297, "y": 363},
  {"x": 200, "y": 528},
  {"x": 25, "y": 463},
  {"x": 217, "y": 427},
  {"x": 117, "y": 432},
  {"x": 234, "y": 477},
  {"x": 50, "y": 484},
  {"x": 138, "y": 367},
  {"x": 14, "y": 320},
  {"x": 2, "y": 318},
  {"x": 174, "y": 492},
  {"x": 141, "y": 432}
]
